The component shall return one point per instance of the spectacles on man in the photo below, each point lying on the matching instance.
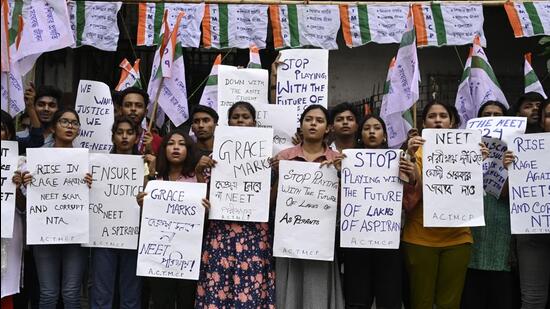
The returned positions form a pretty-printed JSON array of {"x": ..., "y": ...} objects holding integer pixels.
[{"x": 66, "y": 122}]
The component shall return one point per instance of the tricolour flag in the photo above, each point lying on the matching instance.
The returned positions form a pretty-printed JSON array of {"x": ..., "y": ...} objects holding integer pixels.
[
  {"x": 129, "y": 76},
  {"x": 529, "y": 18},
  {"x": 532, "y": 83},
  {"x": 95, "y": 23},
  {"x": 234, "y": 25},
  {"x": 402, "y": 92},
  {"x": 47, "y": 27},
  {"x": 439, "y": 24},
  {"x": 296, "y": 25},
  {"x": 478, "y": 85},
  {"x": 254, "y": 61},
  {"x": 150, "y": 22},
  {"x": 210, "y": 93},
  {"x": 168, "y": 76},
  {"x": 11, "y": 91},
  {"x": 379, "y": 23}
]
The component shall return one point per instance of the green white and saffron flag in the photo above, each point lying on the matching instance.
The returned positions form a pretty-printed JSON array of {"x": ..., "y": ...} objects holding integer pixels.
[
  {"x": 44, "y": 26},
  {"x": 254, "y": 61},
  {"x": 379, "y": 23},
  {"x": 234, "y": 25},
  {"x": 168, "y": 76},
  {"x": 403, "y": 87},
  {"x": 532, "y": 83},
  {"x": 129, "y": 76},
  {"x": 529, "y": 18},
  {"x": 95, "y": 23},
  {"x": 11, "y": 81},
  {"x": 439, "y": 24},
  {"x": 209, "y": 95},
  {"x": 479, "y": 84},
  {"x": 150, "y": 22},
  {"x": 297, "y": 25}
]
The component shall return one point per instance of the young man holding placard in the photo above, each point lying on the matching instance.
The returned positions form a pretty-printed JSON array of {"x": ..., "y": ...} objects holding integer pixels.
[{"x": 530, "y": 208}]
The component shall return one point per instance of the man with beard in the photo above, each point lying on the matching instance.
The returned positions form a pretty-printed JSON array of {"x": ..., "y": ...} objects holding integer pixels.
[
  {"x": 132, "y": 102},
  {"x": 204, "y": 121},
  {"x": 47, "y": 101},
  {"x": 345, "y": 121},
  {"x": 528, "y": 105}
]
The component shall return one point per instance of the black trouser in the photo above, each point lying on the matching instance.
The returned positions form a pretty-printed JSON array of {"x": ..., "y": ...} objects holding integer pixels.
[
  {"x": 172, "y": 293},
  {"x": 488, "y": 289},
  {"x": 371, "y": 274}
]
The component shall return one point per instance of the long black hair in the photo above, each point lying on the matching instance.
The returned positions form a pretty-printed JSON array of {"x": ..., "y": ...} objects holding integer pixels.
[
  {"x": 163, "y": 166},
  {"x": 7, "y": 123},
  {"x": 133, "y": 125},
  {"x": 451, "y": 110},
  {"x": 360, "y": 143}
]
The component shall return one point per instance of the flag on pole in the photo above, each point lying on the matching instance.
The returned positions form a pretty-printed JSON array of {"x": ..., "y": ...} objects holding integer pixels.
[
  {"x": 11, "y": 91},
  {"x": 167, "y": 81},
  {"x": 478, "y": 85},
  {"x": 402, "y": 87},
  {"x": 254, "y": 61},
  {"x": 129, "y": 76},
  {"x": 210, "y": 93},
  {"x": 532, "y": 83},
  {"x": 529, "y": 18}
]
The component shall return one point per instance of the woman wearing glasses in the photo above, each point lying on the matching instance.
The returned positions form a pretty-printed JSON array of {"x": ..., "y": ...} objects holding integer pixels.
[{"x": 61, "y": 267}]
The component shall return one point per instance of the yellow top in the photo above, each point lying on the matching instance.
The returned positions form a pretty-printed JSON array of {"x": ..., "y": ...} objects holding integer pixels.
[{"x": 415, "y": 232}]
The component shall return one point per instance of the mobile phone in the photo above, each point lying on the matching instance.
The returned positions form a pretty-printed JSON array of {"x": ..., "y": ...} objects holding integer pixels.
[{"x": 402, "y": 176}]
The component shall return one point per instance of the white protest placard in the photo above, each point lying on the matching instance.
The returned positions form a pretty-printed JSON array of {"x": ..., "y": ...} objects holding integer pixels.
[
  {"x": 495, "y": 131},
  {"x": 241, "y": 180},
  {"x": 114, "y": 212},
  {"x": 529, "y": 184},
  {"x": 452, "y": 178},
  {"x": 171, "y": 230},
  {"x": 302, "y": 78},
  {"x": 372, "y": 195},
  {"x": 95, "y": 109},
  {"x": 235, "y": 84},
  {"x": 280, "y": 118},
  {"x": 10, "y": 153},
  {"x": 57, "y": 197},
  {"x": 305, "y": 219}
]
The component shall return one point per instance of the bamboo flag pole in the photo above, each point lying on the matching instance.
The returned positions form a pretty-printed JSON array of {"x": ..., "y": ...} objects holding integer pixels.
[{"x": 155, "y": 106}]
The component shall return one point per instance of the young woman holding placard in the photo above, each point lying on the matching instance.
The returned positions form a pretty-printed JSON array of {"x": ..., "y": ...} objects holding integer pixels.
[
  {"x": 309, "y": 283},
  {"x": 489, "y": 280},
  {"x": 375, "y": 274},
  {"x": 61, "y": 268},
  {"x": 12, "y": 248},
  {"x": 107, "y": 262},
  {"x": 436, "y": 258},
  {"x": 175, "y": 162},
  {"x": 237, "y": 263}
]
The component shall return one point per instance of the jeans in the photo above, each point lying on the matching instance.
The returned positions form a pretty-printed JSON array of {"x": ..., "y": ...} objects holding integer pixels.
[
  {"x": 60, "y": 267},
  {"x": 105, "y": 265},
  {"x": 534, "y": 269}
]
